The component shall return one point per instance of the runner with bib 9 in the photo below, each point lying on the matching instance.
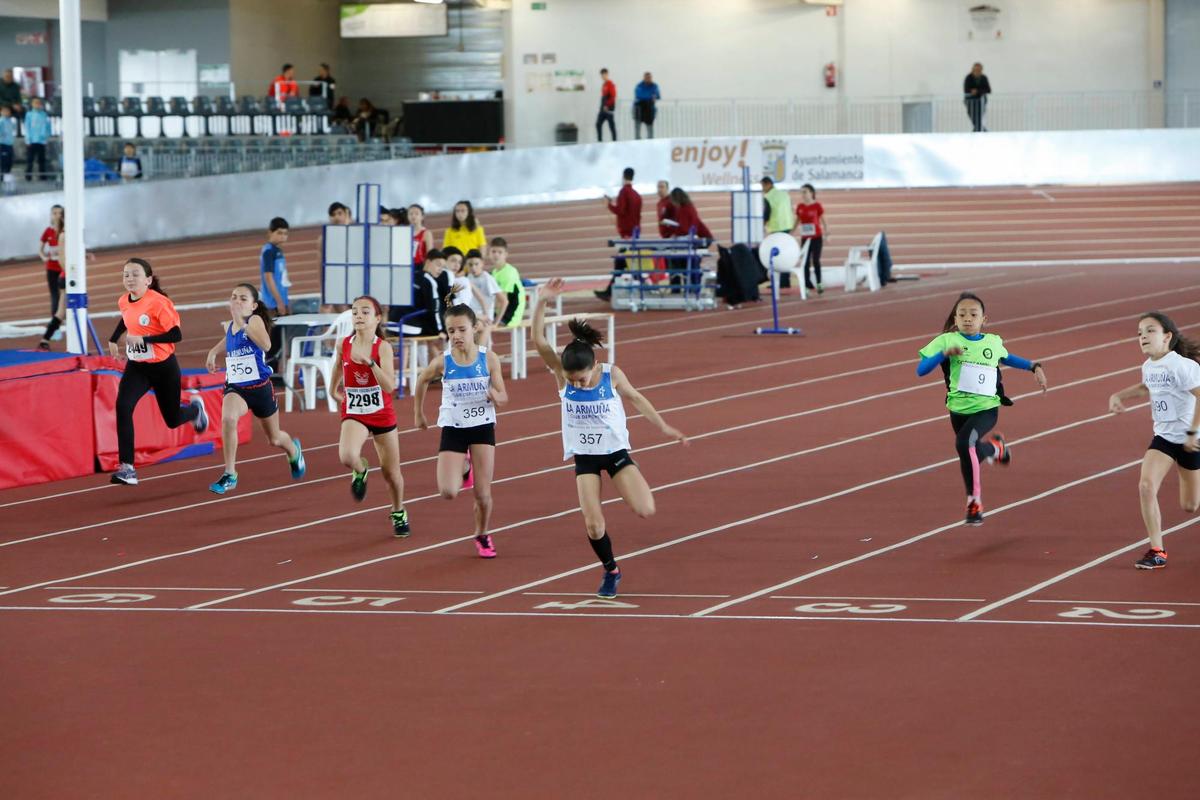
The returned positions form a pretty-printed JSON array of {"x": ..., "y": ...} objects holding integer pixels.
[
  {"x": 1171, "y": 380},
  {"x": 594, "y": 430},
  {"x": 364, "y": 387},
  {"x": 969, "y": 359},
  {"x": 248, "y": 387}
]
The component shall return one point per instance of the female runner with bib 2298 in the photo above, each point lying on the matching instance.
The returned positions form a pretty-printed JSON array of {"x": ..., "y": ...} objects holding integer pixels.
[
  {"x": 248, "y": 386},
  {"x": 364, "y": 387},
  {"x": 594, "y": 429},
  {"x": 472, "y": 387}
]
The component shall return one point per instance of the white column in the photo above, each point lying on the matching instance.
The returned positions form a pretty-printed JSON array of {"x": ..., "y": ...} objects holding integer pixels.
[{"x": 72, "y": 159}]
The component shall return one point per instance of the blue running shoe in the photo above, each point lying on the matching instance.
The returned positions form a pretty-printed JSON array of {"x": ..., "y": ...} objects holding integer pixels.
[
  {"x": 200, "y": 423},
  {"x": 224, "y": 484},
  {"x": 125, "y": 474},
  {"x": 298, "y": 467},
  {"x": 608, "y": 589}
]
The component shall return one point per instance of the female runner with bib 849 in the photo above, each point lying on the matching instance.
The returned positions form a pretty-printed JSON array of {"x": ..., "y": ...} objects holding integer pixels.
[
  {"x": 472, "y": 387},
  {"x": 1171, "y": 379},
  {"x": 594, "y": 429},
  {"x": 972, "y": 396},
  {"x": 364, "y": 387}
]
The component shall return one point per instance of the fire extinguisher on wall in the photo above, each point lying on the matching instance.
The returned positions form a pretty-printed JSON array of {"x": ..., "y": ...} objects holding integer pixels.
[{"x": 830, "y": 72}]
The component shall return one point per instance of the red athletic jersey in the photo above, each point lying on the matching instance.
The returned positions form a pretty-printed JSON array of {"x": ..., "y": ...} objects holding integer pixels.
[
  {"x": 608, "y": 96},
  {"x": 365, "y": 401},
  {"x": 50, "y": 239},
  {"x": 418, "y": 256},
  {"x": 809, "y": 214}
]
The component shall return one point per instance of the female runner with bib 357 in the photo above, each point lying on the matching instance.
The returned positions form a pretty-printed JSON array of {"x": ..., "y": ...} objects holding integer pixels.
[
  {"x": 472, "y": 387},
  {"x": 364, "y": 387},
  {"x": 594, "y": 429},
  {"x": 970, "y": 357}
]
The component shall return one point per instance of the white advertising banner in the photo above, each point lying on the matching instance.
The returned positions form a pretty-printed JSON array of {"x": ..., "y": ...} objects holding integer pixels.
[{"x": 787, "y": 160}]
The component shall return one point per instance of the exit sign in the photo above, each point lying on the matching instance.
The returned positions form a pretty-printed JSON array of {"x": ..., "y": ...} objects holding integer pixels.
[{"x": 538, "y": 6}]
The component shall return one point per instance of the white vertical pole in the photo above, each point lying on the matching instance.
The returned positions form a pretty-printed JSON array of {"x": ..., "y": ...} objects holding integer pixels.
[{"x": 72, "y": 159}]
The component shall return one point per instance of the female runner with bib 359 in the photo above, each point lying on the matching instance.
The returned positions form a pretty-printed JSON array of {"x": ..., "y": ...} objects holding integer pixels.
[
  {"x": 364, "y": 387},
  {"x": 1171, "y": 379},
  {"x": 594, "y": 429},
  {"x": 970, "y": 357},
  {"x": 472, "y": 387},
  {"x": 248, "y": 386}
]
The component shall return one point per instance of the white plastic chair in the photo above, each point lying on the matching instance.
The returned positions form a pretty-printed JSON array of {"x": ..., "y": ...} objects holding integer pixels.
[
  {"x": 865, "y": 259},
  {"x": 797, "y": 272},
  {"x": 308, "y": 366}
]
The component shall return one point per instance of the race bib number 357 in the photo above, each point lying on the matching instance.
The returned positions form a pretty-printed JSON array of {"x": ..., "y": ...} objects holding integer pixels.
[{"x": 364, "y": 401}]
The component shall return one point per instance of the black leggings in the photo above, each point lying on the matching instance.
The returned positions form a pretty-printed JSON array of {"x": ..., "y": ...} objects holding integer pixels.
[
  {"x": 140, "y": 377},
  {"x": 814, "y": 261},
  {"x": 970, "y": 431},
  {"x": 52, "y": 280}
]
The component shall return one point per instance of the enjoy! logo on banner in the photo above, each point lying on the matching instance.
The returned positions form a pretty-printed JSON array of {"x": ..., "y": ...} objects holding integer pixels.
[{"x": 786, "y": 160}]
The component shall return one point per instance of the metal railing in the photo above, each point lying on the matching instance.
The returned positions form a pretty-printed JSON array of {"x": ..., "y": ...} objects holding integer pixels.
[{"x": 929, "y": 114}]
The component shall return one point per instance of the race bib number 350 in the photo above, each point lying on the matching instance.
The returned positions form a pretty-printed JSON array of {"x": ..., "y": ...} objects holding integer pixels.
[
  {"x": 976, "y": 379},
  {"x": 364, "y": 401}
]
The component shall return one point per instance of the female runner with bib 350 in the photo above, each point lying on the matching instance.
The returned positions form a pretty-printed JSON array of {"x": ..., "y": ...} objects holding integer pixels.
[
  {"x": 248, "y": 384},
  {"x": 150, "y": 324},
  {"x": 969, "y": 358},
  {"x": 594, "y": 429},
  {"x": 1171, "y": 379},
  {"x": 364, "y": 387},
  {"x": 472, "y": 387}
]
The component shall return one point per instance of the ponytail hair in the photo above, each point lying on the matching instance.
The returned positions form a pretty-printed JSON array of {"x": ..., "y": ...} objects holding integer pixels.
[
  {"x": 380, "y": 330},
  {"x": 951, "y": 323},
  {"x": 1188, "y": 348},
  {"x": 260, "y": 310},
  {"x": 580, "y": 353},
  {"x": 145, "y": 265}
]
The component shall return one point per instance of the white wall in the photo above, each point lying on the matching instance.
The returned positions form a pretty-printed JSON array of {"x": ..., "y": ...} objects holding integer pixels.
[{"x": 776, "y": 48}]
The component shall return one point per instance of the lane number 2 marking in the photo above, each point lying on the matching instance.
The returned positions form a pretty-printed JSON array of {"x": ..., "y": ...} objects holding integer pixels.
[{"x": 1085, "y": 612}]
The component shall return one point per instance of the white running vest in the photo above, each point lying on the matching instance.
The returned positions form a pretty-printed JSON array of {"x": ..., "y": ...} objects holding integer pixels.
[
  {"x": 593, "y": 420},
  {"x": 465, "y": 401}
]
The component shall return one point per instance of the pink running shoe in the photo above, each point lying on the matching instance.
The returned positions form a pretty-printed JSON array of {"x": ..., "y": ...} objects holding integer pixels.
[
  {"x": 484, "y": 546},
  {"x": 469, "y": 477}
]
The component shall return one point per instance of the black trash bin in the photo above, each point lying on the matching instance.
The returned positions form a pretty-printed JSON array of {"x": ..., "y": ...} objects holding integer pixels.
[{"x": 566, "y": 133}]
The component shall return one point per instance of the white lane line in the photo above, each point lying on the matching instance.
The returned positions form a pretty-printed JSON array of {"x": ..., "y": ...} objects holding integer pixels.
[
  {"x": 382, "y": 591},
  {"x": 678, "y": 381},
  {"x": 753, "y": 465},
  {"x": 140, "y": 588},
  {"x": 913, "y": 539},
  {"x": 891, "y": 599},
  {"x": 593, "y": 594},
  {"x": 1113, "y": 602},
  {"x": 1070, "y": 573}
]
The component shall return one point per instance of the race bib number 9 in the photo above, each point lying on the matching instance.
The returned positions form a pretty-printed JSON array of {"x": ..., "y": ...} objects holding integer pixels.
[
  {"x": 976, "y": 379},
  {"x": 241, "y": 369},
  {"x": 138, "y": 352},
  {"x": 364, "y": 401},
  {"x": 1163, "y": 409}
]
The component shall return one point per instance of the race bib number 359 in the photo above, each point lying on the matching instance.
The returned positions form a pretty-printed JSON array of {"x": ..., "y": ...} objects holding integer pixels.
[{"x": 364, "y": 401}]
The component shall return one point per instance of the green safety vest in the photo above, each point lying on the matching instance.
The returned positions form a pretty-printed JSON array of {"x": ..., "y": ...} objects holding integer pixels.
[{"x": 782, "y": 218}]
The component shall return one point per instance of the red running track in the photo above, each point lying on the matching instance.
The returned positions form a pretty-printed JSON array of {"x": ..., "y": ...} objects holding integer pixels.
[{"x": 804, "y": 617}]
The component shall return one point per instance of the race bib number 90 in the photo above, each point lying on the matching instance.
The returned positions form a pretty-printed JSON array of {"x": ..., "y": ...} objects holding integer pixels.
[
  {"x": 241, "y": 369},
  {"x": 976, "y": 379},
  {"x": 1163, "y": 409},
  {"x": 364, "y": 401},
  {"x": 138, "y": 352}
]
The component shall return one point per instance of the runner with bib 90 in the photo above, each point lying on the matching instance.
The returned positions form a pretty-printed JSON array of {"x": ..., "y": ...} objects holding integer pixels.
[
  {"x": 594, "y": 429},
  {"x": 969, "y": 359}
]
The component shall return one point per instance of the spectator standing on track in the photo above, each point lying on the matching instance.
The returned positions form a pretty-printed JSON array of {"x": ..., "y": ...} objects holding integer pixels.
[
  {"x": 665, "y": 211},
  {"x": 431, "y": 288},
  {"x": 248, "y": 384},
  {"x": 512, "y": 310},
  {"x": 472, "y": 386},
  {"x": 608, "y": 107},
  {"x": 488, "y": 300},
  {"x": 465, "y": 232},
  {"x": 323, "y": 85},
  {"x": 594, "y": 429},
  {"x": 628, "y": 210},
  {"x": 777, "y": 216},
  {"x": 810, "y": 225},
  {"x": 976, "y": 89},
  {"x": 272, "y": 268},
  {"x": 645, "y": 106},
  {"x": 283, "y": 86},
  {"x": 37, "y": 133},
  {"x": 687, "y": 224},
  {"x": 150, "y": 325},
  {"x": 8, "y": 140},
  {"x": 1171, "y": 381},
  {"x": 969, "y": 359}
]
